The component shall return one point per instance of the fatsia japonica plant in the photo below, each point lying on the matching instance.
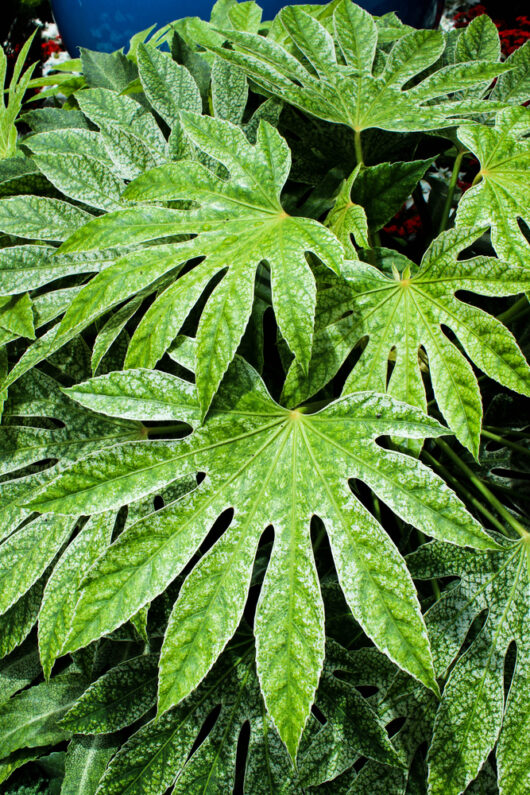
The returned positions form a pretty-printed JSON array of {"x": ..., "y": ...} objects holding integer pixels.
[{"x": 264, "y": 386}]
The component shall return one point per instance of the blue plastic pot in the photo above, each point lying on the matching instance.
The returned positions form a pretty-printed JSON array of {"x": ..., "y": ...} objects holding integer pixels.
[{"x": 107, "y": 25}]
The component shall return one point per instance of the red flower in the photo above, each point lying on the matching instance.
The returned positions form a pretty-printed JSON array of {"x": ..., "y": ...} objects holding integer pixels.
[
  {"x": 406, "y": 223},
  {"x": 48, "y": 48}
]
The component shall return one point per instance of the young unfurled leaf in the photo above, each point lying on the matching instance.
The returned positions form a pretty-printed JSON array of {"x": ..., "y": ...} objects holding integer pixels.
[
  {"x": 347, "y": 218},
  {"x": 259, "y": 455},
  {"x": 352, "y": 94},
  {"x": 501, "y": 197},
  {"x": 240, "y": 222},
  {"x": 12, "y": 97},
  {"x": 474, "y": 714},
  {"x": 408, "y": 310}
]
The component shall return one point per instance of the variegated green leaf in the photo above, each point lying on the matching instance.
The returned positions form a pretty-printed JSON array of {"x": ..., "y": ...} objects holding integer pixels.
[
  {"x": 119, "y": 698},
  {"x": 63, "y": 587},
  {"x": 40, "y": 218},
  {"x": 286, "y": 458},
  {"x": 25, "y": 555},
  {"x": 17, "y": 622},
  {"x": 514, "y": 86},
  {"x": 159, "y": 753},
  {"x": 139, "y": 395},
  {"x": 474, "y": 712},
  {"x": 85, "y": 763},
  {"x": 16, "y": 315},
  {"x": 30, "y": 719},
  {"x": 403, "y": 310},
  {"x": 501, "y": 196},
  {"x": 357, "y": 97},
  {"x": 169, "y": 87},
  {"x": 241, "y": 223}
]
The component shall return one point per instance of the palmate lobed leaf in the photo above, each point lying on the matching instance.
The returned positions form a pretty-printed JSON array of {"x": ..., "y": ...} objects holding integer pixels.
[
  {"x": 501, "y": 197},
  {"x": 272, "y": 466},
  {"x": 474, "y": 714},
  {"x": 164, "y": 751},
  {"x": 395, "y": 696},
  {"x": 42, "y": 431},
  {"x": 167, "y": 749},
  {"x": 239, "y": 223},
  {"x": 406, "y": 310},
  {"x": 332, "y": 75}
]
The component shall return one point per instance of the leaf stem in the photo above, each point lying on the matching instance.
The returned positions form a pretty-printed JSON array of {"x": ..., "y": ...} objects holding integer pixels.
[
  {"x": 483, "y": 489},
  {"x": 518, "y": 434},
  {"x": 501, "y": 440},
  {"x": 451, "y": 190},
  {"x": 520, "y": 307},
  {"x": 358, "y": 147},
  {"x": 471, "y": 499}
]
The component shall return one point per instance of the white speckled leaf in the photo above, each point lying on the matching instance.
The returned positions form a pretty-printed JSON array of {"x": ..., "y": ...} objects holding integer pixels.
[
  {"x": 80, "y": 431},
  {"x": 16, "y": 315},
  {"x": 239, "y": 223},
  {"x": 31, "y": 718},
  {"x": 229, "y": 92},
  {"x": 400, "y": 313},
  {"x": 26, "y": 554},
  {"x": 117, "y": 699},
  {"x": 473, "y": 712},
  {"x": 85, "y": 762},
  {"x": 356, "y": 95},
  {"x": 501, "y": 197},
  {"x": 62, "y": 589},
  {"x": 112, "y": 330},
  {"x": 28, "y": 267},
  {"x": 346, "y": 218},
  {"x": 139, "y": 395},
  {"x": 168, "y": 86},
  {"x": 159, "y": 752},
  {"x": 40, "y": 218},
  {"x": 110, "y": 110},
  {"x": 17, "y": 622},
  {"x": 272, "y": 466},
  {"x": 514, "y": 86}
]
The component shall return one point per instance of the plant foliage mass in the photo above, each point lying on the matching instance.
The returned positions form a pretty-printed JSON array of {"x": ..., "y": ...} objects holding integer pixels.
[{"x": 263, "y": 458}]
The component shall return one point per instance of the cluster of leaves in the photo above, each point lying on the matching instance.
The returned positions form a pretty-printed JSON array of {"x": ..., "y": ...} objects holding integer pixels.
[{"x": 223, "y": 399}]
